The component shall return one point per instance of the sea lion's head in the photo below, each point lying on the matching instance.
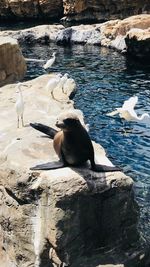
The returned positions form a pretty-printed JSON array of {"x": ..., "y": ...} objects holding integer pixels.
[{"x": 68, "y": 120}]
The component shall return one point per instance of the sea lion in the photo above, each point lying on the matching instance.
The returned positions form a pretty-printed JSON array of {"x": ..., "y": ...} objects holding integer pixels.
[{"x": 72, "y": 144}]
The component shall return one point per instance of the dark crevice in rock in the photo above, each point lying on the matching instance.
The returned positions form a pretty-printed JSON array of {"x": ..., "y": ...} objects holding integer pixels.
[
  {"x": 18, "y": 200},
  {"x": 28, "y": 197},
  {"x": 44, "y": 257}
]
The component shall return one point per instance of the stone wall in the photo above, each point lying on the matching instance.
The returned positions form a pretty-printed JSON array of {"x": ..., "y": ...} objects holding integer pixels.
[
  {"x": 12, "y": 62},
  {"x": 77, "y": 10}
]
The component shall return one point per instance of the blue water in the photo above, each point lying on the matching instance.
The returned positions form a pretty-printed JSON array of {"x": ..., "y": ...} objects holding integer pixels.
[{"x": 105, "y": 78}]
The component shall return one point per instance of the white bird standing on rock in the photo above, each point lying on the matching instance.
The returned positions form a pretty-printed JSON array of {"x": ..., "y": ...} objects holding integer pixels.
[
  {"x": 127, "y": 111},
  {"x": 52, "y": 84},
  {"x": 63, "y": 80},
  {"x": 19, "y": 105},
  {"x": 50, "y": 62},
  {"x": 60, "y": 84},
  {"x": 69, "y": 85}
]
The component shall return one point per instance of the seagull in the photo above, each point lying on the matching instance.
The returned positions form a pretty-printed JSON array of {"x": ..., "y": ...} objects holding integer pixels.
[
  {"x": 19, "y": 105},
  {"x": 50, "y": 62},
  {"x": 127, "y": 111}
]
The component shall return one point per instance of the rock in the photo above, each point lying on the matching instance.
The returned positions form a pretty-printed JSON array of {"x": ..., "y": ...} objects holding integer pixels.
[
  {"x": 138, "y": 44},
  {"x": 82, "y": 34},
  {"x": 40, "y": 34},
  {"x": 100, "y": 10},
  {"x": 64, "y": 36},
  {"x": 72, "y": 216},
  {"x": 53, "y": 9},
  {"x": 28, "y": 9},
  {"x": 13, "y": 66},
  {"x": 2, "y": 75},
  {"x": 114, "y": 34},
  {"x": 77, "y": 10},
  {"x": 4, "y": 9},
  {"x": 24, "y": 9}
]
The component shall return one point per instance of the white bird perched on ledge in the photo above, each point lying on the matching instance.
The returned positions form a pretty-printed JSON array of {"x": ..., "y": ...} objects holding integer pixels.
[
  {"x": 19, "y": 105},
  {"x": 127, "y": 111},
  {"x": 69, "y": 85},
  {"x": 53, "y": 83},
  {"x": 50, "y": 62}
]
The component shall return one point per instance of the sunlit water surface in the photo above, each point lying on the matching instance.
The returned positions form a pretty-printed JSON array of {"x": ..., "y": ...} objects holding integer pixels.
[{"x": 104, "y": 80}]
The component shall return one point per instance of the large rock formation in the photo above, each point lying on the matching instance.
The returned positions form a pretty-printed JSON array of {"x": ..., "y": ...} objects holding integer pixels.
[
  {"x": 73, "y": 215},
  {"x": 130, "y": 35},
  {"x": 27, "y": 9},
  {"x": 101, "y": 10},
  {"x": 12, "y": 62},
  {"x": 77, "y": 10}
]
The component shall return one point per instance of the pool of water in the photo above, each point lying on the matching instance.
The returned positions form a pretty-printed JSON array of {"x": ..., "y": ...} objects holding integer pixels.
[{"x": 104, "y": 80}]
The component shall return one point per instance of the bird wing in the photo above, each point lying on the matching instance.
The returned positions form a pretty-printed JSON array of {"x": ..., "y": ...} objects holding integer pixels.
[
  {"x": 130, "y": 103},
  {"x": 113, "y": 113}
]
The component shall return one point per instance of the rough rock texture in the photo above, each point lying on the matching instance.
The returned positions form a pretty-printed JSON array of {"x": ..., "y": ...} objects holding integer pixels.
[
  {"x": 138, "y": 44},
  {"x": 130, "y": 35},
  {"x": 77, "y": 10},
  {"x": 72, "y": 215},
  {"x": 109, "y": 34},
  {"x": 27, "y": 9},
  {"x": 40, "y": 34},
  {"x": 101, "y": 10},
  {"x": 12, "y": 62},
  {"x": 22, "y": 9}
]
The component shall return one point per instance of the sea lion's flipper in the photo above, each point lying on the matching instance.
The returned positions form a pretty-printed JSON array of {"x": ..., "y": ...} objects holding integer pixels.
[
  {"x": 44, "y": 129},
  {"x": 49, "y": 166},
  {"x": 104, "y": 168}
]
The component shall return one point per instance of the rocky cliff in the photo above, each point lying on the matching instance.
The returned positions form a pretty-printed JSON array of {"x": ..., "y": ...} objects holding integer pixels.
[{"x": 77, "y": 10}]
